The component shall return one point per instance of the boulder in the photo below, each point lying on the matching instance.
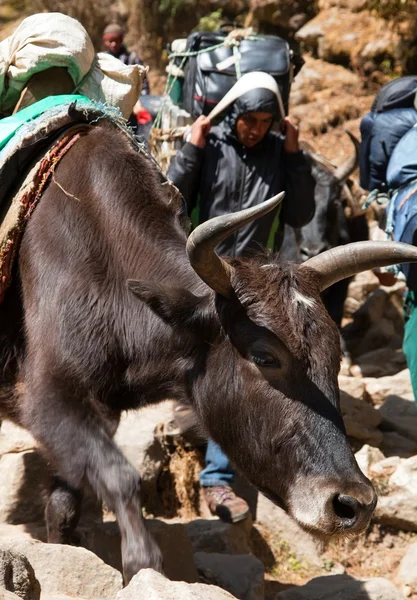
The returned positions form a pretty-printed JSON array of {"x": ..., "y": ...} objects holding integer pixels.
[
  {"x": 282, "y": 528},
  {"x": 104, "y": 540},
  {"x": 150, "y": 585},
  {"x": 24, "y": 484},
  {"x": 5, "y": 595},
  {"x": 15, "y": 439},
  {"x": 287, "y": 14},
  {"x": 398, "y": 510},
  {"x": 212, "y": 535},
  {"x": 366, "y": 457},
  {"x": 399, "y": 413},
  {"x": 384, "y": 467},
  {"x": 338, "y": 35},
  {"x": 352, "y": 386},
  {"x": 136, "y": 438},
  {"x": 377, "y": 390},
  {"x": 397, "y": 505},
  {"x": 344, "y": 587},
  {"x": 67, "y": 570},
  {"x": 405, "y": 475},
  {"x": 379, "y": 363},
  {"x": 241, "y": 575},
  {"x": 316, "y": 76},
  {"x": 17, "y": 575},
  {"x": 407, "y": 571},
  {"x": 395, "y": 444},
  {"x": 361, "y": 420}
]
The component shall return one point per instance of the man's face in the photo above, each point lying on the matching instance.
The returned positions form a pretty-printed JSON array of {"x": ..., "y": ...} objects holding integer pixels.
[
  {"x": 252, "y": 126},
  {"x": 113, "y": 42}
]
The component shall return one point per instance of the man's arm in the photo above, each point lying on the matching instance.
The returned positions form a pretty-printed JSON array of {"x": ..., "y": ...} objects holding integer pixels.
[
  {"x": 299, "y": 205},
  {"x": 184, "y": 170}
]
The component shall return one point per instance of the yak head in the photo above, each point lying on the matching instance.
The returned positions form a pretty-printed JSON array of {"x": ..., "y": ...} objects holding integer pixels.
[{"x": 263, "y": 378}]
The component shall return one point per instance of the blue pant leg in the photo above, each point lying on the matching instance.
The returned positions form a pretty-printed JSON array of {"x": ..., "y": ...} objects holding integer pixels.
[
  {"x": 218, "y": 470},
  {"x": 410, "y": 339}
]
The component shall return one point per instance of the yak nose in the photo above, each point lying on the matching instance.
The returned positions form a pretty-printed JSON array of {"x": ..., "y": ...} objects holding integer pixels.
[{"x": 353, "y": 509}]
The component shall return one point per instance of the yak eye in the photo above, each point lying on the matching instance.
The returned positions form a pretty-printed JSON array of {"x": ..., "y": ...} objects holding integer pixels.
[{"x": 265, "y": 359}]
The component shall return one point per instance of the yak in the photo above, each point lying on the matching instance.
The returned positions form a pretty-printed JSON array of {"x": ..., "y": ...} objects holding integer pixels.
[
  {"x": 337, "y": 220},
  {"x": 112, "y": 308}
]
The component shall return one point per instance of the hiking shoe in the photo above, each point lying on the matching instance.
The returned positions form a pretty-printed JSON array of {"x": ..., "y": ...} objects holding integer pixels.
[{"x": 223, "y": 502}]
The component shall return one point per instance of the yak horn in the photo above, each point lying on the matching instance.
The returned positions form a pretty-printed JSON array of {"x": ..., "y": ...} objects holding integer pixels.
[
  {"x": 343, "y": 172},
  {"x": 202, "y": 242},
  {"x": 344, "y": 261}
]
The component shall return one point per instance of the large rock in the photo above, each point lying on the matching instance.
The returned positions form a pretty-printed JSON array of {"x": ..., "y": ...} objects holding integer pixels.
[
  {"x": 398, "y": 504},
  {"x": 378, "y": 389},
  {"x": 407, "y": 572},
  {"x": 282, "y": 528},
  {"x": 352, "y": 386},
  {"x": 379, "y": 363},
  {"x": 316, "y": 76},
  {"x": 399, "y": 413},
  {"x": 15, "y": 439},
  {"x": 149, "y": 585},
  {"x": 242, "y": 575},
  {"x": 24, "y": 481},
  {"x": 395, "y": 444},
  {"x": 17, "y": 575},
  {"x": 366, "y": 457},
  {"x": 361, "y": 420},
  {"x": 5, "y": 595},
  {"x": 405, "y": 475},
  {"x": 212, "y": 535},
  {"x": 397, "y": 510},
  {"x": 287, "y": 14},
  {"x": 67, "y": 570},
  {"x": 344, "y": 587},
  {"x": 136, "y": 438},
  {"x": 340, "y": 36},
  {"x": 104, "y": 540}
]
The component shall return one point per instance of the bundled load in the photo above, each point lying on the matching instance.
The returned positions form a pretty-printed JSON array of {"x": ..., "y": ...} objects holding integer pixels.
[
  {"x": 204, "y": 67},
  {"x": 47, "y": 40},
  {"x": 392, "y": 114},
  {"x": 388, "y": 165}
]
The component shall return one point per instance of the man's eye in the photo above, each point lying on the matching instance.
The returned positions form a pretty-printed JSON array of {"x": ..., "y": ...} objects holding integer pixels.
[{"x": 265, "y": 359}]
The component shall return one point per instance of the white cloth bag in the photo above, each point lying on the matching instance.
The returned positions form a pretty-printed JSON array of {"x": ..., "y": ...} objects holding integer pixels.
[{"x": 49, "y": 40}]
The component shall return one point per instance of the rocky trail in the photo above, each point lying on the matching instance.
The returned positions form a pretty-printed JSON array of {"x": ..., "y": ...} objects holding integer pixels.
[{"x": 349, "y": 52}]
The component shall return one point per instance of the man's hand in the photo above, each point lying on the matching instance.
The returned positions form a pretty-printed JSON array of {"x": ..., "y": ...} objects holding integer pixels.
[
  {"x": 386, "y": 278},
  {"x": 199, "y": 131},
  {"x": 291, "y": 135}
]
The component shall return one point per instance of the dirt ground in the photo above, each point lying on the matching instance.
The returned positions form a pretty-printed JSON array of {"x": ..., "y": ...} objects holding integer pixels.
[{"x": 375, "y": 554}]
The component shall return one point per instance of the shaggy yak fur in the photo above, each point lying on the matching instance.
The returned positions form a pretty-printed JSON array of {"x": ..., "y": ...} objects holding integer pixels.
[{"x": 106, "y": 314}]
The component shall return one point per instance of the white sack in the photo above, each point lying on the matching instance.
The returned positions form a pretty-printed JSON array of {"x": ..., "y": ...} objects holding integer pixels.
[{"x": 55, "y": 40}]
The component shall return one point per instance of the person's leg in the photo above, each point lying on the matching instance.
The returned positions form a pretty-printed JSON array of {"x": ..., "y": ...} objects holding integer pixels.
[
  {"x": 216, "y": 479},
  {"x": 218, "y": 470},
  {"x": 410, "y": 338},
  {"x": 409, "y": 236}
]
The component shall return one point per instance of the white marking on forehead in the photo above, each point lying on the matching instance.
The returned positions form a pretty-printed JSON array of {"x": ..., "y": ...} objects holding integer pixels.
[
  {"x": 269, "y": 266},
  {"x": 301, "y": 299}
]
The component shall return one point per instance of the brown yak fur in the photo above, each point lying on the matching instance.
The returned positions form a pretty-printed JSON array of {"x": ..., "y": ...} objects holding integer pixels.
[{"x": 79, "y": 344}]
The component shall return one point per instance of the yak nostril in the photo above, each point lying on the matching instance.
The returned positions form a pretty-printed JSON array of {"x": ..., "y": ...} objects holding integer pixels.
[{"x": 346, "y": 508}]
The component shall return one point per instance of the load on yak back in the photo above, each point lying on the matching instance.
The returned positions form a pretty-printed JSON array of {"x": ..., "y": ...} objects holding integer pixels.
[{"x": 388, "y": 169}]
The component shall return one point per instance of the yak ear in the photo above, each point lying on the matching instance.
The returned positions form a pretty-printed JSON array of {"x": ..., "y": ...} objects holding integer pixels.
[{"x": 174, "y": 305}]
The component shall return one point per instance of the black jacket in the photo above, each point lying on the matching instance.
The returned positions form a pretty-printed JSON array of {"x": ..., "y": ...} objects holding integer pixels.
[{"x": 225, "y": 176}]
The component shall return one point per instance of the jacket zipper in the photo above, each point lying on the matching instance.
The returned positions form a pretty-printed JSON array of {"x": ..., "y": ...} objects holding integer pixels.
[{"x": 239, "y": 204}]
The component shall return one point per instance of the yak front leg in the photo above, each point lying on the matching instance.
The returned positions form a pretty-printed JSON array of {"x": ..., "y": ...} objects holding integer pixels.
[
  {"x": 63, "y": 512},
  {"x": 78, "y": 444}
]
